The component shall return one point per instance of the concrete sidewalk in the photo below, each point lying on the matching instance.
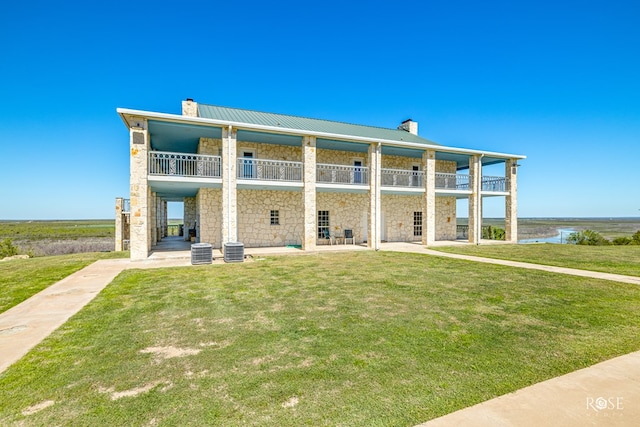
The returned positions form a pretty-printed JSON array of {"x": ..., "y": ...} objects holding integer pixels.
[
  {"x": 606, "y": 394},
  {"x": 416, "y": 248}
]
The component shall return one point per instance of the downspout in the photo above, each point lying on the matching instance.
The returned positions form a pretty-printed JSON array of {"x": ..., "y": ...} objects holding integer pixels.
[
  {"x": 229, "y": 170},
  {"x": 377, "y": 195},
  {"x": 479, "y": 203}
]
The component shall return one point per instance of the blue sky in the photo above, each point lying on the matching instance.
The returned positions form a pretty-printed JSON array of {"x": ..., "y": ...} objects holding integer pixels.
[{"x": 557, "y": 81}]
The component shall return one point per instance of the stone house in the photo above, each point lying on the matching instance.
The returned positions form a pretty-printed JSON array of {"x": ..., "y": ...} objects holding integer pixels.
[{"x": 268, "y": 179}]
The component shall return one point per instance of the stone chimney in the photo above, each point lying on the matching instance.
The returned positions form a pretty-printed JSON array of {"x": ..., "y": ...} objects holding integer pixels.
[
  {"x": 190, "y": 108},
  {"x": 409, "y": 126}
]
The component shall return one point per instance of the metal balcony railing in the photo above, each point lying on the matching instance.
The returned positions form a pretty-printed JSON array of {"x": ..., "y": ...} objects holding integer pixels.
[
  {"x": 183, "y": 164},
  {"x": 402, "y": 178},
  {"x": 494, "y": 183},
  {"x": 452, "y": 181},
  {"x": 269, "y": 170},
  {"x": 341, "y": 174}
]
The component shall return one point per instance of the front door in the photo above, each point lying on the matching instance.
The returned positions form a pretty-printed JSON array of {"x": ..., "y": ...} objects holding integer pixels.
[
  {"x": 247, "y": 164},
  {"x": 357, "y": 171}
]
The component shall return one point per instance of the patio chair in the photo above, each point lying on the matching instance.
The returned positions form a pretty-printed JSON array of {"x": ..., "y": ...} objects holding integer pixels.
[
  {"x": 328, "y": 236},
  {"x": 348, "y": 234}
]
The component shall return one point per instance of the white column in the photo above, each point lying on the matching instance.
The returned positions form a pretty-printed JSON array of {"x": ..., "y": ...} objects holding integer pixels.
[
  {"x": 475, "y": 199},
  {"x": 375, "y": 205},
  {"x": 511, "y": 201},
  {"x": 119, "y": 234},
  {"x": 309, "y": 188},
  {"x": 140, "y": 227},
  {"x": 229, "y": 179},
  {"x": 429, "y": 205}
]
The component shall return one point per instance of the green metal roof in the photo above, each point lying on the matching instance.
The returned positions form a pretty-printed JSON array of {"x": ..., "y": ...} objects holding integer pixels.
[{"x": 306, "y": 124}]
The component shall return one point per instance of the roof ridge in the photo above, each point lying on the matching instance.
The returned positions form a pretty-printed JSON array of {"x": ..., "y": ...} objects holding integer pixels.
[{"x": 301, "y": 117}]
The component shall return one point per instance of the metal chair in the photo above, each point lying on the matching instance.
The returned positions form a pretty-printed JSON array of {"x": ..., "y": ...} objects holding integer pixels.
[
  {"x": 328, "y": 236},
  {"x": 348, "y": 234}
]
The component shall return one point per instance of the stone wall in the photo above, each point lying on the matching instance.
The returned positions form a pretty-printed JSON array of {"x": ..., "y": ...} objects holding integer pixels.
[
  {"x": 271, "y": 151},
  {"x": 210, "y": 146},
  {"x": 189, "y": 217},
  {"x": 334, "y": 157},
  {"x": 397, "y": 211},
  {"x": 445, "y": 218},
  {"x": 346, "y": 211},
  {"x": 254, "y": 217},
  {"x": 209, "y": 216}
]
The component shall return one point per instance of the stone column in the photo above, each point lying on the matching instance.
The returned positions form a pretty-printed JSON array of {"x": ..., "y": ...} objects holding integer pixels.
[
  {"x": 375, "y": 205},
  {"x": 229, "y": 179},
  {"x": 475, "y": 199},
  {"x": 429, "y": 202},
  {"x": 119, "y": 224},
  {"x": 309, "y": 189},
  {"x": 140, "y": 227},
  {"x": 189, "y": 216},
  {"x": 511, "y": 201},
  {"x": 153, "y": 214}
]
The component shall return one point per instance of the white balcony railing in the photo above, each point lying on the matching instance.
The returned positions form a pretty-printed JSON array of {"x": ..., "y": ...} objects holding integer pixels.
[
  {"x": 452, "y": 181},
  {"x": 341, "y": 174},
  {"x": 269, "y": 170},
  {"x": 183, "y": 164},
  {"x": 402, "y": 178},
  {"x": 494, "y": 183}
]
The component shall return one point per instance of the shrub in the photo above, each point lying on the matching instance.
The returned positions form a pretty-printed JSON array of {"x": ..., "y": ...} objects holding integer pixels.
[
  {"x": 622, "y": 241},
  {"x": 7, "y": 248},
  {"x": 635, "y": 239},
  {"x": 493, "y": 233},
  {"x": 587, "y": 237}
]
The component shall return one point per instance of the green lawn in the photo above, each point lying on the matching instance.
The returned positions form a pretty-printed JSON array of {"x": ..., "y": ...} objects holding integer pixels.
[
  {"x": 608, "y": 259},
  {"x": 22, "y": 278},
  {"x": 363, "y": 338}
]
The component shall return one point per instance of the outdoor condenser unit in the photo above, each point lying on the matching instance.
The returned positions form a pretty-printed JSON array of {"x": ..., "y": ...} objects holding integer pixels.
[
  {"x": 201, "y": 253},
  {"x": 233, "y": 252}
]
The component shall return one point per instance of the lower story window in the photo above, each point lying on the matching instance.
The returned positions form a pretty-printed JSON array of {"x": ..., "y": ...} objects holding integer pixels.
[
  {"x": 323, "y": 223},
  {"x": 417, "y": 223},
  {"x": 275, "y": 217}
]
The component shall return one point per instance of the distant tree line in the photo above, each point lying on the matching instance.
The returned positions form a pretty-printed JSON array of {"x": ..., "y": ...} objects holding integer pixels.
[{"x": 593, "y": 238}]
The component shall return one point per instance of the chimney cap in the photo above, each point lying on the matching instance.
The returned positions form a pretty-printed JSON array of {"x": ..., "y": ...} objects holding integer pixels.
[
  {"x": 408, "y": 120},
  {"x": 189, "y": 99}
]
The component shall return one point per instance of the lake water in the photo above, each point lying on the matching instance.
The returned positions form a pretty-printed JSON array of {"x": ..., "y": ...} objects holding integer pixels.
[{"x": 563, "y": 233}]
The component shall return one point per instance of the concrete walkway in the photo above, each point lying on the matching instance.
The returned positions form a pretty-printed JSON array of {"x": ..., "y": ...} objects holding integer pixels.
[{"x": 416, "y": 248}]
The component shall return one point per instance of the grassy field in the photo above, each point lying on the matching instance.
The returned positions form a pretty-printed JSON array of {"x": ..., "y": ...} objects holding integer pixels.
[
  {"x": 532, "y": 228},
  {"x": 608, "y": 259},
  {"x": 22, "y": 278},
  {"x": 363, "y": 338},
  {"x": 60, "y": 237}
]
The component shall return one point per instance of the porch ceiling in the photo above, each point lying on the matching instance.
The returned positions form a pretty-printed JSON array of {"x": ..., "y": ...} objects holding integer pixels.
[
  {"x": 183, "y": 137},
  {"x": 176, "y": 191}
]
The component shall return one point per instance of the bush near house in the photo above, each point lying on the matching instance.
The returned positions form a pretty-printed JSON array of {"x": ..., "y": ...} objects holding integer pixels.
[
  {"x": 493, "y": 233},
  {"x": 593, "y": 238},
  {"x": 7, "y": 248},
  {"x": 588, "y": 237}
]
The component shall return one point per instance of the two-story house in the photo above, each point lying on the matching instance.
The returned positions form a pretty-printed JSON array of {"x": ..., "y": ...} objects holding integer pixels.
[{"x": 268, "y": 179}]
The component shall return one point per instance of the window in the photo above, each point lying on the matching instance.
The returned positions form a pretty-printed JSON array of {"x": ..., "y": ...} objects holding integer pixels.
[
  {"x": 417, "y": 223},
  {"x": 275, "y": 217},
  {"x": 323, "y": 223}
]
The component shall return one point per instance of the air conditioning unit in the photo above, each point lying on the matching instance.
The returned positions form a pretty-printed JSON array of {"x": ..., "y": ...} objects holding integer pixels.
[
  {"x": 233, "y": 252},
  {"x": 201, "y": 253}
]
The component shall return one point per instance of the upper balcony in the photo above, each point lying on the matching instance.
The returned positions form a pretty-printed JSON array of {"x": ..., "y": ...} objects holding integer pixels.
[
  {"x": 162, "y": 163},
  {"x": 252, "y": 172}
]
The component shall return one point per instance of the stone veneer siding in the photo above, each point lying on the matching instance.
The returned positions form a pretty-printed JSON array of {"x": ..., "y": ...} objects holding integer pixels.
[
  {"x": 398, "y": 210},
  {"x": 189, "y": 217},
  {"x": 209, "y": 216},
  {"x": 254, "y": 217},
  {"x": 346, "y": 211},
  {"x": 334, "y": 157}
]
